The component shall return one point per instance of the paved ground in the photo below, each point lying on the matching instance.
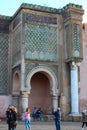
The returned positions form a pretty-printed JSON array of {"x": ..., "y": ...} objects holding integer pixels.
[{"x": 41, "y": 125}]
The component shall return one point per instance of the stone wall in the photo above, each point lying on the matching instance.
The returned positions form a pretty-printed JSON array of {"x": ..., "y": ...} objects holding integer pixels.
[{"x": 83, "y": 72}]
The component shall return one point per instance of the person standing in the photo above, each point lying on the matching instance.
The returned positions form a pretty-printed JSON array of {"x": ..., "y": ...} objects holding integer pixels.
[
  {"x": 15, "y": 116},
  {"x": 84, "y": 119},
  {"x": 11, "y": 117},
  {"x": 27, "y": 118},
  {"x": 6, "y": 114},
  {"x": 57, "y": 118}
]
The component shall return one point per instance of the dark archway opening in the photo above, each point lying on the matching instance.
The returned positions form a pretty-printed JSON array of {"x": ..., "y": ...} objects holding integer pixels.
[{"x": 40, "y": 93}]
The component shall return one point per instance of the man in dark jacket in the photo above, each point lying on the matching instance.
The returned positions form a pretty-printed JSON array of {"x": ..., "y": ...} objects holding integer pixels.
[
  {"x": 56, "y": 114},
  {"x": 11, "y": 117}
]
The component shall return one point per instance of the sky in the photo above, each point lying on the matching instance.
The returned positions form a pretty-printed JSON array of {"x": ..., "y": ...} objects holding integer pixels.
[{"x": 9, "y": 7}]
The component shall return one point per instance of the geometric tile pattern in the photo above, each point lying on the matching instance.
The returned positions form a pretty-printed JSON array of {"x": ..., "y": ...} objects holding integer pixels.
[
  {"x": 40, "y": 42},
  {"x": 16, "y": 46},
  {"x": 68, "y": 41},
  {"x": 76, "y": 37},
  {"x": 4, "y": 44},
  {"x": 73, "y": 47}
]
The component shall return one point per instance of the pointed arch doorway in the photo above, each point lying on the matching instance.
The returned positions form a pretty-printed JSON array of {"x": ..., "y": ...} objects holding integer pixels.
[{"x": 42, "y": 84}]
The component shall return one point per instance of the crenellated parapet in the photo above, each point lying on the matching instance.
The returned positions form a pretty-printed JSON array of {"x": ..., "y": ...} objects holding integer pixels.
[{"x": 47, "y": 9}]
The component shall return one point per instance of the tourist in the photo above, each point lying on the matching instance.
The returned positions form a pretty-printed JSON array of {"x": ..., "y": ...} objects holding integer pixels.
[
  {"x": 15, "y": 116},
  {"x": 39, "y": 114},
  {"x": 56, "y": 114},
  {"x": 27, "y": 118},
  {"x": 34, "y": 113},
  {"x": 11, "y": 118},
  {"x": 84, "y": 119}
]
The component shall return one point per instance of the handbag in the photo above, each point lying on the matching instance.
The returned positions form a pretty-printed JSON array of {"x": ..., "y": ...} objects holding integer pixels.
[{"x": 15, "y": 123}]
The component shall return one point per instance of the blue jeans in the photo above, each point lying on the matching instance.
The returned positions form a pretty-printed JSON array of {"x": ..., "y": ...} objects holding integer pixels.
[
  {"x": 57, "y": 124},
  {"x": 39, "y": 116},
  {"x": 27, "y": 124},
  {"x": 13, "y": 128}
]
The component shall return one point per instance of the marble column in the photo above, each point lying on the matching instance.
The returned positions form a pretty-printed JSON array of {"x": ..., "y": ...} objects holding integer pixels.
[
  {"x": 24, "y": 101},
  {"x": 55, "y": 102},
  {"x": 74, "y": 89}
]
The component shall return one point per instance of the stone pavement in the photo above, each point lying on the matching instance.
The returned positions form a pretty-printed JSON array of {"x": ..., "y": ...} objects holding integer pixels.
[{"x": 43, "y": 125}]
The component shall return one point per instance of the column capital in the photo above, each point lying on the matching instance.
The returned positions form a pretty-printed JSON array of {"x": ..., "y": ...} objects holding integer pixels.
[
  {"x": 24, "y": 93},
  {"x": 73, "y": 65},
  {"x": 78, "y": 64}
]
